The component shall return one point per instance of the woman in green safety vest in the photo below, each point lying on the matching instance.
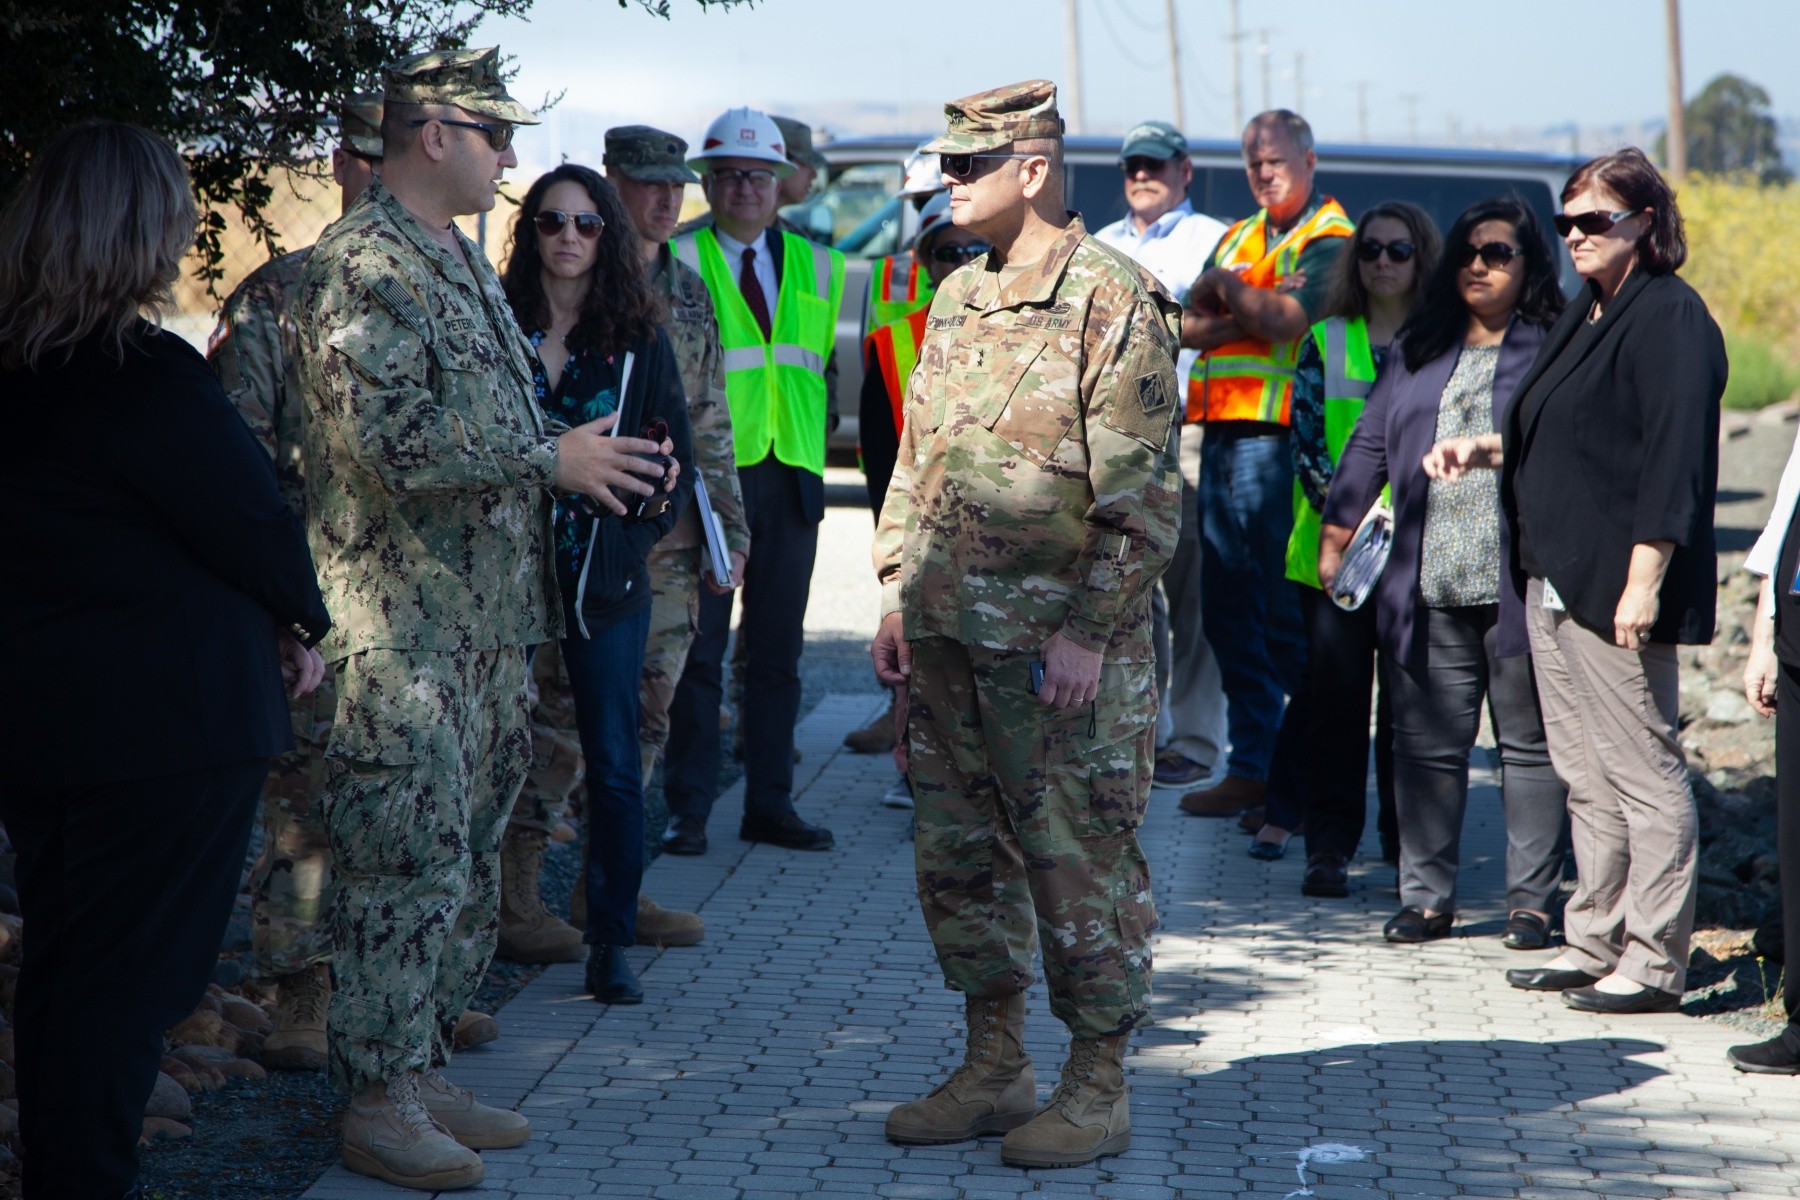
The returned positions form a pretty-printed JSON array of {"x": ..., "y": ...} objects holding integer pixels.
[{"x": 1372, "y": 289}]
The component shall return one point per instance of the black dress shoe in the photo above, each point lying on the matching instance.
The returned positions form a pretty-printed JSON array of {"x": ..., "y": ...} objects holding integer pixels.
[
  {"x": 1527, "y": 931},
  {"x": 786, "y": 830},
  {"x": 1546, "y": 979},
  {"x": 1412, "y": 925},
  {"x": 1326, "y": 875},
  {"x": 685, "y": 835},
  {"x": 1780, "y": 1055},
  {"x": 1644, "y": 1000},
  {"x": 1267, "y": 851},
  {"x": 610, "y": 978}
]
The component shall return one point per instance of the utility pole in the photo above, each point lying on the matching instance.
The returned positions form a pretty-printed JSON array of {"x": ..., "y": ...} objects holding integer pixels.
[
  {"x": 1300, "y": 82},
  {"x": 1362, "y": 110},
  {"x": 1174, "y": 62},
  {"x": 1677, "y": 135},
  {"x": 1072, "y": 65},
  {"x": 1411, "y": 100},
  {"x": 1236, "y": 38},
  {"x": 1262, "y": 52}
]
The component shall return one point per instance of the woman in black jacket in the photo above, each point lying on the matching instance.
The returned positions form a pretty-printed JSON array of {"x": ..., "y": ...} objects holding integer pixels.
[
  {"x": 158, "y": 593},
  {"x": 1610, "y": 466},
  {"x": 576, "y": 283}
]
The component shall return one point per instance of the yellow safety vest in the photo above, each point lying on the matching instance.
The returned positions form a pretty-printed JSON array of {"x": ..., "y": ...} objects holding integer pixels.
[
  {"x": 1349, "y": 377},
  {"x": 775, "y": 386},
  {"x": 898, "y": 287}
]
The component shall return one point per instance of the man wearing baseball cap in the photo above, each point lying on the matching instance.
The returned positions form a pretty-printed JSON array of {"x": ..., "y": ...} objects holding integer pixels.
[
  {"x": 776, "y": 296},
  {"x": 1172, "y": 241}
]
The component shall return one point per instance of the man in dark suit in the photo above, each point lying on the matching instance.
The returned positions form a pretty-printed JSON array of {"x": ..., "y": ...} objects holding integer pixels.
[{"x": 777, "y": 297}]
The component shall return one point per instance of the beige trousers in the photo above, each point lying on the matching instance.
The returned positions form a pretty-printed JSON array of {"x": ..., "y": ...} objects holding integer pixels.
[{"x": 1610, "y": 719}]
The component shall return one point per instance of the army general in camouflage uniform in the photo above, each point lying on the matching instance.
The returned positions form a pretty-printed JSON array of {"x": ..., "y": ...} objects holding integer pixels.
[
  {"x": 429, "y": 477},
  {"x": 1035, "y": 502}
]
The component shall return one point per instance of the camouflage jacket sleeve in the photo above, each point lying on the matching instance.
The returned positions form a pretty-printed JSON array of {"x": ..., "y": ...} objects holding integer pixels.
[
  {"x": 250, "y": 358},
  {"x": 1135, "y": 518},
  {"x": 375, "y": 372},
  {"x": 709, "y": 416}
]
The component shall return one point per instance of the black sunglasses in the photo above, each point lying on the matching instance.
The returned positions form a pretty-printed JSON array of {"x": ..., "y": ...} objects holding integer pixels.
[
  {"x": 1497, "y": 255},
  {"x": 1398, "y": 251},
  {"x": 959, "y": 254},
  {"x": 1143, "y": 162},
  {"x": 550, "y": 222},
  {"x": 1590, "y": 223},
  {"x": 961, "y": 167},
  {"x": 498, "y": 136}
]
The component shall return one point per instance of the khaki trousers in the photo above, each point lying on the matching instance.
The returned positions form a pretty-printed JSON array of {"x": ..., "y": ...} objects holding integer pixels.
[{"x": 1610, "y": 719}]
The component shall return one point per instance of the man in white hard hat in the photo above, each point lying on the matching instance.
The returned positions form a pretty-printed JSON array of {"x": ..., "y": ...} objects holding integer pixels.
[{"x": 776, "y": 296}]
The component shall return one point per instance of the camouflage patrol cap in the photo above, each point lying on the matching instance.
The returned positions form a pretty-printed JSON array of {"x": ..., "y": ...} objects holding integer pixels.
[
  {"x": 994, "y": 118},
  {"x": 647, "y": 155},
  {"x": 359, "y": 124},
  {"x": 798, "y": 136},
  {"x": 468, "y": 79}
]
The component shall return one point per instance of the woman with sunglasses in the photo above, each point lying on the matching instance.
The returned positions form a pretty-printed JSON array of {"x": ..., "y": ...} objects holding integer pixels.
[
  {"x": 1321, "y": 776},
  {"x": 1449, "y": 615},
  {"x": 1610, "y": 467},
  {"x": 576, "y": 282}
]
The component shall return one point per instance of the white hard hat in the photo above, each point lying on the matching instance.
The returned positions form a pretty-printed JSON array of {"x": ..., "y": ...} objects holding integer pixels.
[
  {"x": 934, "y": 218},
  {"x": 923, "y": 177},
  {"x": 744, "y": 133}
]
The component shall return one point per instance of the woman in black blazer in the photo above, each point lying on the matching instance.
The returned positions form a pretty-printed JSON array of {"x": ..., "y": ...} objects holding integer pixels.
[
  {"x": 160, "y": 591},
  {"x": 1609, "y": 471}
]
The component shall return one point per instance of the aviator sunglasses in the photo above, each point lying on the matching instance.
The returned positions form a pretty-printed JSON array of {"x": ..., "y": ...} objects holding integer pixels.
[
  {"x": 1591, "y": 223},
  {"x": 498, "y": 136},
  {"x": 959, "y": 254},
  {"x": 550, "y": 222},
  {"x": 1497, "y": 255},
  {"x": 1398, "y": 251}
]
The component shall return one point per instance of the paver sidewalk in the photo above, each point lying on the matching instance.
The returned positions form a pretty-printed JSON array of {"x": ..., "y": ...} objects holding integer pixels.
[{"x": 763, "y": 1061}]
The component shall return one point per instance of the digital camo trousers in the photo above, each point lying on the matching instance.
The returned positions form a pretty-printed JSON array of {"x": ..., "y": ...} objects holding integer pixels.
[
  {"x": 427, "y": 755},
  {"x": 290, "y": 883},
  {"x": 1026, "y": 832},
  {"x": 674, "y": 623}
]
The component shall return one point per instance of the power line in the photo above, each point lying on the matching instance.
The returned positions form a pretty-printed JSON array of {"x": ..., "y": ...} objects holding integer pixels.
[{"x": 1119, "y": 45}]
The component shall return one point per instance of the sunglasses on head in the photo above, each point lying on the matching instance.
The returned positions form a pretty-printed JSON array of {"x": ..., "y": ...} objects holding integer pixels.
[
  {"x": 550, "y": 222},
  {"x": 1398, "y": 251},
  {"x": 1497, "y": 255},
  {"x": 1590, "y": 223},
  {"x": 961, "y": 167},
  {"x": 499, "y": 136},
  {"x": 959, "y": 254}
]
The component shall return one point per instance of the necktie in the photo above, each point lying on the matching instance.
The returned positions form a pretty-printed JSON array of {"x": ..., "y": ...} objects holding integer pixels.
[{"x": 753, "y": 293}]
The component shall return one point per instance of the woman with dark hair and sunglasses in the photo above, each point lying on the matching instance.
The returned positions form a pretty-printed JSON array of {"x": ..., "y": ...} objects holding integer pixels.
[
  {"x": 1609, "y": 472},
  {"x": 1449, "y": 615},
  {"x": 1319, "y": 779},
  {"x": 575, "y": 278}
]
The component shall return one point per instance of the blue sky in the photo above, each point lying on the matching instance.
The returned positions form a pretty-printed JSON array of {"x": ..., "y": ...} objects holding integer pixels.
[{"x": 1500, "y": 74}]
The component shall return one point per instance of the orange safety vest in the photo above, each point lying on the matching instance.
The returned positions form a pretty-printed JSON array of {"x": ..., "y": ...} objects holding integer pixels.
[
  {"x": 898, "y": 286},
  {"x": 1250, "y": 379},
  {"x": 896, "y": 347}
]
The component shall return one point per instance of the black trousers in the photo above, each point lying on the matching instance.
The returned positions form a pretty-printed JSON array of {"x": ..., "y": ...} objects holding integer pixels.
[
  {"x": 784, "y": 541},
  {"x": 1787, "y": 836},
  {"x": 1340, "y": 670},
  {"x": 125, "y": 889}
]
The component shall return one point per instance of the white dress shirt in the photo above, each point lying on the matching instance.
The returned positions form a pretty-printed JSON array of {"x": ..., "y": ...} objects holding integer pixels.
[
  {"x": 764, "y": 263},
  {"x": 1765, "y": 555},
  {"x": 1174, "y": 248}
]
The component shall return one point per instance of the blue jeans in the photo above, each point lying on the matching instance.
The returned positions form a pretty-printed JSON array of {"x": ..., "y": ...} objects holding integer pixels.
[
  {"x": 1249, "y": 607},
  {"x": 603, "y": 675}
]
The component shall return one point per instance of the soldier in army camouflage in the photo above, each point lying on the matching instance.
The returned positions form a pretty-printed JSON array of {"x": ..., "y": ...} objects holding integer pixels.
[
  {"x": 1035, "y": 501},
  {"x": 429, "y": 492}
]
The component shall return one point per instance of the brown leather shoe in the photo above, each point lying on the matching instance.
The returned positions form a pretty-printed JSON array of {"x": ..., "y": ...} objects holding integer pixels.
[{"x": 1231, "y": 797}]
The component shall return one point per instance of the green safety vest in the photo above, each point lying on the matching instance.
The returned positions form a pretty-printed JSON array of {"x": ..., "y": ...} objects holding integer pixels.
[
  {"x": 1349, "y": 377},
  {"x": 775, "y": 388}
]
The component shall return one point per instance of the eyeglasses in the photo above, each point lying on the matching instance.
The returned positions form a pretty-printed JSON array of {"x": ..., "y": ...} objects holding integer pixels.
[
  {"x": 550, "y": 222},
  {"x": 1497, "y": 255},
  {"x": 961, "y": 167},
  {"x": 1143, "y": 163},
  {"x": 1398, "y": 251},
  {"x": 756, "y": 177},
  {"x": 959, "y": 254},
  {"x": 1590, "y": 223},
  {"x": 498, "y": 136}
]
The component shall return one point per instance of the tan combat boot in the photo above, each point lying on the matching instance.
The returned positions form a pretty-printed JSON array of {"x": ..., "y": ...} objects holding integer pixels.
[
  {"x": 877, "y": 737},
  {"x": 994, "y": 1090},
  {"x": 474, "y": 1124},
  {"x": 389, "y": 1135},
  {"x": 474, "y": 1029},
  {"x": 659, "y": 926},
  {"x": 529, "y": 932},
  {"x": 297, "y": 1043},
  {"x": 1088, "y": 1116}
]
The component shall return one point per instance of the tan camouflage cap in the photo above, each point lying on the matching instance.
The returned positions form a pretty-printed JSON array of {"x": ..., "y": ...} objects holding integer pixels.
[
  {"x": 468, "y": 79},
  {"x": 359, "y": 124},
  {"x": 647, "y": 154},
  {"x": 988, "y": 120},
  {"x": 798, "y": 136}
]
